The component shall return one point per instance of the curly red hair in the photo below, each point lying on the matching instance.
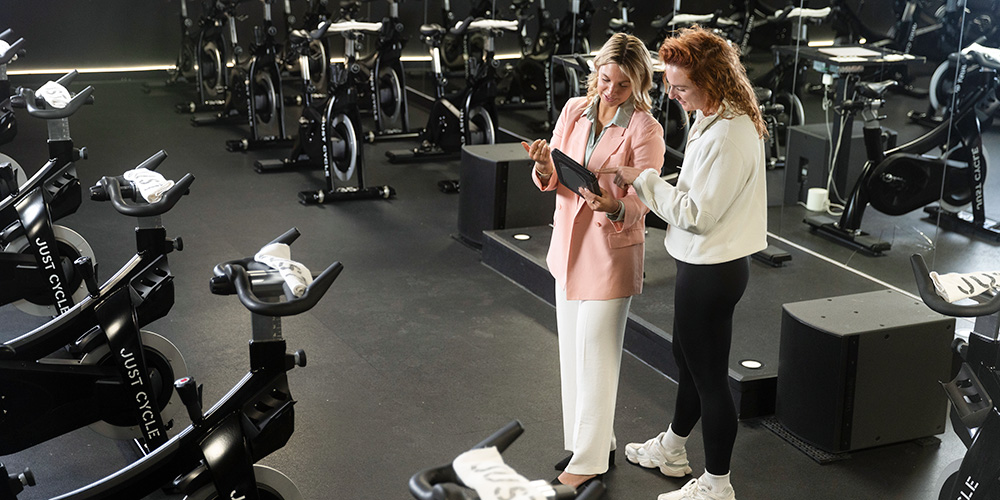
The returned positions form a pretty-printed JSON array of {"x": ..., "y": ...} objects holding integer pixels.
[{"x": 713, "y": 64}]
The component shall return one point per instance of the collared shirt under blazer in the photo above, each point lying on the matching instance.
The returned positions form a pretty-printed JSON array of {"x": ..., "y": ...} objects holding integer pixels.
[{"x": 593, "y": 257}]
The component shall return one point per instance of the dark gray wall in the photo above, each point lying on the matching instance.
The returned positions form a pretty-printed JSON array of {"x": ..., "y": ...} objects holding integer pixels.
[{"x": 101, "y": 33}]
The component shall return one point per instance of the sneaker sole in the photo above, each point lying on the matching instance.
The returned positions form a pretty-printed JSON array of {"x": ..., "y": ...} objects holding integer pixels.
[{"x": 666, "y": 470}]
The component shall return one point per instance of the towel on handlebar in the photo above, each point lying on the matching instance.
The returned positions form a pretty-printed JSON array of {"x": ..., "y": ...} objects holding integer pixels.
[
  {"x": 278, "y": 256},
  {"x": 483, "y": 470},
  {"x": 954, "y": 286},
  {"x": 151, "y": 184},
  {"x": 55, "y": 94},
  {"x": 4, "y": 46}
]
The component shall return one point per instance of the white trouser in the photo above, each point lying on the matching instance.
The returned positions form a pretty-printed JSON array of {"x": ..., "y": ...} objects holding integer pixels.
[{"x": 591, "y": 333}]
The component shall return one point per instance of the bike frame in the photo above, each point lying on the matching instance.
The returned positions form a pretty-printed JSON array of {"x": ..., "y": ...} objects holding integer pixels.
[
  {"x": 29, "y": 211},
  {"x": 251, "y": 421},
  {"x": 39, "y": 386},
  {"x": 965, "y": 139}
]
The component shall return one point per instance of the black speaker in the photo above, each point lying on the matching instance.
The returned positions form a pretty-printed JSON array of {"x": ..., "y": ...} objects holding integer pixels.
[
  {"x": 808, "y": 157},
  {"x": 862, "y": 370},
  {"x": 496, "y": 191}
]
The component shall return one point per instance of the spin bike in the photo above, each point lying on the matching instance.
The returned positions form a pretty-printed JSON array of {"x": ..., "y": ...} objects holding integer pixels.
[
  {"x": 563, "y": 81},
  {"x": 319, "y": 60},
  {"x": 386, "y": 81},
  {"x": 466, "y": 117},
  {"x": 251, "y": 89},
  {"x": 943, "y": 88},
  {"x": 36, "y": 272},
  {"x": 215, "y": 457},
  {"x": 215, "y": 52},
  {"x": 261, "y": 89},
  {"x": 523, "y": 82},
  {"x": 444, "y": 483},
  {"x": 92, "y": 364},
  {"x": 974, "y": 391},
  {"x": 330, "y": 131},
  {"x": 905, "y": 178},
  {"x": 12, "y": 175}
]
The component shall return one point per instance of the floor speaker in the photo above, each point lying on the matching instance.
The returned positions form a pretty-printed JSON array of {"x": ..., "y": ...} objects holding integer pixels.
[
  {"x": 496, "y": 192},
  {"x": 808, "y": 158},
  {"x": 862, "y": 370}
]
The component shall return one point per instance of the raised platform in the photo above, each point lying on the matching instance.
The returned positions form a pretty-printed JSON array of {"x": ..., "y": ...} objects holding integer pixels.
[{"x": 757, "y": 327}]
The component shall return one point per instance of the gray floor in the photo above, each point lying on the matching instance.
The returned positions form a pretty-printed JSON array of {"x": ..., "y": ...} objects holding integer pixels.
[{"x": 418, "y": 351}]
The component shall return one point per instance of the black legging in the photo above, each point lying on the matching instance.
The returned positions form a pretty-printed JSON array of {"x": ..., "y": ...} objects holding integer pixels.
[{"x": 704, "y": 300}]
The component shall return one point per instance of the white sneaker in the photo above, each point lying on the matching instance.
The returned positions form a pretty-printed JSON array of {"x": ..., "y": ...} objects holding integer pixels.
[
  {"x": 653, "y": 454},
  {"x": 696, "y": 490}
]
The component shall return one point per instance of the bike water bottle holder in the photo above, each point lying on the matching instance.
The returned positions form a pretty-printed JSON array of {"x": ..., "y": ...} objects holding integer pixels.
[{"x": 969, "y": 397}]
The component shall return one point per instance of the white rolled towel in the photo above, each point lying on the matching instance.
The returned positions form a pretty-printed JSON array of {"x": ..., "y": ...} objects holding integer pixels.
[
  {"x": 151, "y": 184},
  {"x": 279, "y": 256},
  {"x": 55, "y": 94},
  {"x": 483, "y": 470},
  {"x": 955, "y": 286},
  {"x": 4, "y": 47}
]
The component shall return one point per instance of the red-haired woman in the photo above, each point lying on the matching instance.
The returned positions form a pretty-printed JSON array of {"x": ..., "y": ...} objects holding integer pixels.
[{"x": 717, "y": 218}]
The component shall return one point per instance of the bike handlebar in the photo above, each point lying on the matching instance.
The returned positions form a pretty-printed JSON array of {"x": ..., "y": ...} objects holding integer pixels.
[
  {"x": 442, "y": 483},
  {"x": 47, "y": 113},
  {"x": 12, "y": 51},
  {"x": 934, "y": 301},
  {"x": 235, "y": 277},
  {"x": 117, "y": 189},
  {"x": 113, "y": 187}
]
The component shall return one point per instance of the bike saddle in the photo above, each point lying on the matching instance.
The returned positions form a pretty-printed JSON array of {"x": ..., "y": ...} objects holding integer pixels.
[
  {"x": 762, "y": 94},
  {"x": 661, "y": 21},
  {"x": 618, "y": 24},
  {"x": 432, "y": 30},
  {"x": 985, "y": 56},
  {"x": 354, "y": 26},
  {"x": 874, "y": 90}
]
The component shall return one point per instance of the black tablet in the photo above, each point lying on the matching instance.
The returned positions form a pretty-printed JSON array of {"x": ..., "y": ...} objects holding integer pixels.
[{"x": 573, "y": 175}]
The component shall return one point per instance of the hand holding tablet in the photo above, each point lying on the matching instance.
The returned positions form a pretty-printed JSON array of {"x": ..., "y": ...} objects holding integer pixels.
[{"x": 573, "y": 175}]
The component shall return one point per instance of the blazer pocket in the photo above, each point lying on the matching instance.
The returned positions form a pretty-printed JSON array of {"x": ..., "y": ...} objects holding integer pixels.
[{"x": 626, "y": 238}]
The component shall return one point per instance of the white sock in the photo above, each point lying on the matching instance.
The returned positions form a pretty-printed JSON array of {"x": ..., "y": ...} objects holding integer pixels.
[
  {"x": 716, "y": 483},
  {"x": 672, "y": 441}
]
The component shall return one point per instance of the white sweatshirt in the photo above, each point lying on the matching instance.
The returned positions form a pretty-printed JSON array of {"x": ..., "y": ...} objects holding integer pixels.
[{"x": 718, "y": 210}]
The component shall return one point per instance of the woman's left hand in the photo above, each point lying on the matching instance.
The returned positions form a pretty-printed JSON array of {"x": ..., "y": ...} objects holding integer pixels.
[{"x": 605, "y": 203}]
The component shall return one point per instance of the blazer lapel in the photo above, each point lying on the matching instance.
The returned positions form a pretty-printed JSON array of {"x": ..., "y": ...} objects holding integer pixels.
[{"x": 613, "y": 138}]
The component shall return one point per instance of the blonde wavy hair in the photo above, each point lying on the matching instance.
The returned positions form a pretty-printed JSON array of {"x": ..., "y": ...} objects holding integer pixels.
[
  {"x": 632, "y": 57},
  {"x": 714, "y": 66}
]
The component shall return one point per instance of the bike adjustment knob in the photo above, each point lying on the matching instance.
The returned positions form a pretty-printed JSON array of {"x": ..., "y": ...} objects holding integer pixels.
[
  {"x": 190, "y": 395},
  {"x": 85, "y": 266},
  {"x": 17, "y": 481},
  {"x": 176, "y": 243},
  {"x": 27, "y": 478}
]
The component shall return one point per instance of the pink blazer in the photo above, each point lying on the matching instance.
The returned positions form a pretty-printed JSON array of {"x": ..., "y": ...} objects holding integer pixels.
[{"x": 592, "y": 257}]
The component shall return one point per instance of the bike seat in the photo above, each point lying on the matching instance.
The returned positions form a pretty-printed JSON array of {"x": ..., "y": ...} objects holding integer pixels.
[
  {"x": 491, "y": 24},
  {"x": 661, "y": 21},
  {"x": 296, "y": 37},
  {"x": 762, "y": 94},
  {"x": 354, "y": 26},
  {"x": 811, "y": 14},
  {"x": 432, "y": 30},
  {"x": 703, "y": 19},
  {"x": 617, "y": 24},
  {"x": 874, "y": 90},
  {"x": 986, "y": 57}
]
